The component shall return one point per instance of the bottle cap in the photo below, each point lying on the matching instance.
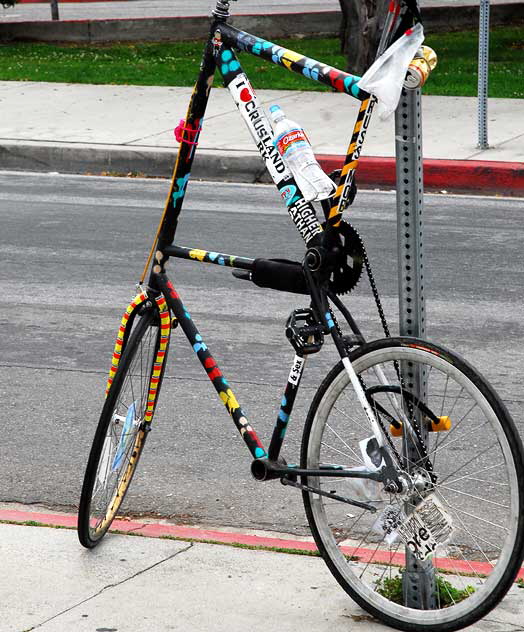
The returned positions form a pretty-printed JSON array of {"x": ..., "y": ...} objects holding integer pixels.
[{"x": 276, "y": 112}]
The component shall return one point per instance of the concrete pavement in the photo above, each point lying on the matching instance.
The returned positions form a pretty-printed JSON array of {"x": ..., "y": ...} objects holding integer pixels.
[
  {"x": 139, "y": 584},
  {"x": 92, "y": 129}
]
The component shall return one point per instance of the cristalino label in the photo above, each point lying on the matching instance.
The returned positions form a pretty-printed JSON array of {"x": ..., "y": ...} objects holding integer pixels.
[{"x": 288, "y": 141}]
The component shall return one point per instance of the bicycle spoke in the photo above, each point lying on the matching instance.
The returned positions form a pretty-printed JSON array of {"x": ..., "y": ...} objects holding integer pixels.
[
  {"x": 123, "y": 440},
  {"x": 477, "y": 515}
]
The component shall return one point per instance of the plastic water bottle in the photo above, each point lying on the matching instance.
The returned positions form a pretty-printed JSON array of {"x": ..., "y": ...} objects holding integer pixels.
[
  {"x": 294, "y": 147},
  {"x": 364, "y": 489}
]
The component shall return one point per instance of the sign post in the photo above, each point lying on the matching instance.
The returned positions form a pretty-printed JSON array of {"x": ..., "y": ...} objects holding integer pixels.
[
  {"x": 483, "y": 75},
  {"x": 419, "y": 577}
]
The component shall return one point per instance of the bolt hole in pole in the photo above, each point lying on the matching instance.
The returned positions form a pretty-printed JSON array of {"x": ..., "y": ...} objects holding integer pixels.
[{"x": 483, "y": 75}]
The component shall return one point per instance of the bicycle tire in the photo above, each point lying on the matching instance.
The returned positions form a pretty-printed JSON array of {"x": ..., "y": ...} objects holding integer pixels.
[
  {"x": 485, "y": 549},
  {"x": 121, "y": 432}
]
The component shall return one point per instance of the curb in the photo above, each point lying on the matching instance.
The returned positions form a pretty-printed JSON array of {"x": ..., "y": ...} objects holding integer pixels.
[
  {"x": 161, "y": 530},
  {"x": 452, "y": 176},
  {"x": 317, "y": 24},
  {"x": 457, "y": 176},
  {"x": 231, "y": 166}
]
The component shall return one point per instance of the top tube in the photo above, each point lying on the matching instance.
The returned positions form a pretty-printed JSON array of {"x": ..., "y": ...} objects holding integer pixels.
[{"x": 295, "y": 62}]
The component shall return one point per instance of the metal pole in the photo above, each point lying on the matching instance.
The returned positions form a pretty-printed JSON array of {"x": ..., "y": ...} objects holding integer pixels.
[
  {"x": 54, "y": 10},
  {"x": 483, "y": 74},
  {"x": 419, "y": 577},
  {"x": 410, "y": 203}
]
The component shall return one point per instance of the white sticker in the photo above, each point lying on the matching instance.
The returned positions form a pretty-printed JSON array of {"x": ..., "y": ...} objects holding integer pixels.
[
  {"x": 371, "y": 453},
  {"x": 296, "y": 370},
  {"x": 388, "y": 522},
  {"x": 259, "y": 126},
  {"x": 426, "y": 528}
]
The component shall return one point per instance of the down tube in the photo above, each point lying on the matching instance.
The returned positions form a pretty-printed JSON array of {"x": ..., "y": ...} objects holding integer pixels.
[
  {"x": 213, "y": 372},
  {"x": 342, "y": 197}
]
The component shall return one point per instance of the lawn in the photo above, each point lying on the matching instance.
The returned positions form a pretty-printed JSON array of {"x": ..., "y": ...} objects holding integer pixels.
[{"x": 176, "y": 64}]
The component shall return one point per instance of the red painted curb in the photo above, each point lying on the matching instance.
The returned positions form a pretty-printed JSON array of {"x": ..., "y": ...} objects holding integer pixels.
[
  {"x": 157, "y": 530},
  {"x": 482, "y": 176}
]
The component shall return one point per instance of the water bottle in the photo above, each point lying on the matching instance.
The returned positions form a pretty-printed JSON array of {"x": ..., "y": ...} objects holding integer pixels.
[
  {"x": 294, "y": 147},
  {"x": 364, "y": 489}
]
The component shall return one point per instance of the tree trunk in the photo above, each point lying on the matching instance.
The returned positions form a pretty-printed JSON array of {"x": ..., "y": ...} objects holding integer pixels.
[
  {"x": 360, "y": 32},
  {"x": 54, "y": 10}
]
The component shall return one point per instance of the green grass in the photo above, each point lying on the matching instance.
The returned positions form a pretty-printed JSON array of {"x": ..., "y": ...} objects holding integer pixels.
[
  {"x": 391, "y": 588},
  {"x": 176, "y": 64},
  {"x": 456, "y": 72}
]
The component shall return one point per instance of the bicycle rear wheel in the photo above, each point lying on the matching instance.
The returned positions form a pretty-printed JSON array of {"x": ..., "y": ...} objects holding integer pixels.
[
  {"x": 473, "y": 471},
  {"x": 122, "y": 430}
]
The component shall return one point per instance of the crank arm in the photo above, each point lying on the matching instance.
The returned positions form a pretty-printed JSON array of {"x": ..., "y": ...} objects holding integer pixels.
[{"x": 314, "y": 490}]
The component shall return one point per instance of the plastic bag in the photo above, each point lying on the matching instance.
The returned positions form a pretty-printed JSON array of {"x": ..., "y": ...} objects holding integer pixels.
[{"x": 385, "y": 77}]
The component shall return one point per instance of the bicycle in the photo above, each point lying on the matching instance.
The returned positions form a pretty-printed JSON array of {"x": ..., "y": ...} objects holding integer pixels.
[{"x": 388, "y": 500}]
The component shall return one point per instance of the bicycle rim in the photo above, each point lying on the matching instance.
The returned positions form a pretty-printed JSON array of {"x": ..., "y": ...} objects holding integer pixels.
[
  {"x": 121, "y": 432},
  {"x": 479, "y": 478}
]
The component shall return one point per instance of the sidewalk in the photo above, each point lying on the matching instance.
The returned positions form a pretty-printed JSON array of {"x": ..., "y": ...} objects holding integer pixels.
[
  {"x": 146, "y": 584},
  {"x": 80, "y": 128}
]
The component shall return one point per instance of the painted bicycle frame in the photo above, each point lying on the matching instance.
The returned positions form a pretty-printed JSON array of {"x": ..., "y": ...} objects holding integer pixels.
[{"x": 219, "y": 54}]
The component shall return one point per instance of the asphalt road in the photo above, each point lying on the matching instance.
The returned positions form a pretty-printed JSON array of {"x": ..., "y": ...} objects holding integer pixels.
[{"x": 72, "y": 248}]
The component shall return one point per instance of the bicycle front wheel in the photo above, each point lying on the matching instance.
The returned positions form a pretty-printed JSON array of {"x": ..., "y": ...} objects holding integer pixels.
[
  {"x": 122, "y": 430},
  {"x": 472, "y": 470}
]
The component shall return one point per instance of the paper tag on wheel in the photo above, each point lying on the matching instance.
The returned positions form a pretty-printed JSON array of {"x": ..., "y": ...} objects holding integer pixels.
[
  {"x": 426, "y": 528},
  {"x": 388, "y": 522}
]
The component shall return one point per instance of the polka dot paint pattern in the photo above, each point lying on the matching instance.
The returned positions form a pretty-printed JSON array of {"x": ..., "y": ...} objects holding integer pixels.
[
  {"x": 296, "y": 62},
  {"x": 221, "y": 385}
]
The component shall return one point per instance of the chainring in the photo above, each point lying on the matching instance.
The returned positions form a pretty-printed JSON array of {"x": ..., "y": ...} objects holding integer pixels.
[{"x": 348, "y": 269}]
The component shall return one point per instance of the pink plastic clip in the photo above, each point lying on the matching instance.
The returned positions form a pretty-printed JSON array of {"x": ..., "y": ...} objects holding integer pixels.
[{"x": 179, "y": 133}]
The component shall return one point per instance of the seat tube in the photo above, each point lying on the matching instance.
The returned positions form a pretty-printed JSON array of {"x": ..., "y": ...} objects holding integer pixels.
[{"x": 301, "y": 212}]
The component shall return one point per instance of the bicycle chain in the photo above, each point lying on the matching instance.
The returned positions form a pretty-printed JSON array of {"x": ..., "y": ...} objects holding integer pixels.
[
  {"x": 362, "y": 383},
  {"x": 428, "y": 466},
  {"x": 376, "y": 296},
  {"x": 335, "y": 176}
]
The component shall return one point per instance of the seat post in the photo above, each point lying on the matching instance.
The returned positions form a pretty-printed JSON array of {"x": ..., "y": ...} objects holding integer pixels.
[{"x": 221, "y": 10}]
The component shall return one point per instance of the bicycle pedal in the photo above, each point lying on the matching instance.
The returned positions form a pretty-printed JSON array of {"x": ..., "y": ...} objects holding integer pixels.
[{"x": 304, "y": 332}]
